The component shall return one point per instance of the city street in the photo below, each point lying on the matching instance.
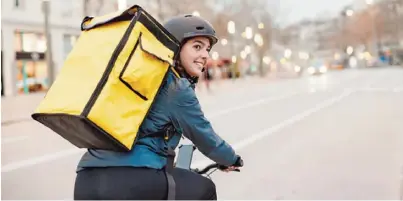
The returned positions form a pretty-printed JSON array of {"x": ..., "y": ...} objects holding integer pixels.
[{"x": 333, "y": 136}]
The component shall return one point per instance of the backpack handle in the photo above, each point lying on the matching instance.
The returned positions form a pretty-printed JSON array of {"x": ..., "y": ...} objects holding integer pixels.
[{"x": 90, "y": 22}]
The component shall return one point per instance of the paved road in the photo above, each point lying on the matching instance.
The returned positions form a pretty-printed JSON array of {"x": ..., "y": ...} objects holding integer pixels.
[{"x": 336, "y": 136}]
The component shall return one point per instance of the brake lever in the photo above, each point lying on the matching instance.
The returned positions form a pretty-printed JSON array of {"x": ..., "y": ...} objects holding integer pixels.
[{"x": 237, "y": 170}]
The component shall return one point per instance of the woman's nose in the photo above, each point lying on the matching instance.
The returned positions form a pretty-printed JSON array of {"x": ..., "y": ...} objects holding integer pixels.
[{"x": 205, "y": 54}]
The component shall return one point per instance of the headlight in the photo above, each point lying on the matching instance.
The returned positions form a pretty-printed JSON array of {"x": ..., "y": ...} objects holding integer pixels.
[
  {"x": 323, "y": 69},
  {"x": 297, "y": 69},
  {"x": 311, "y": 70}
]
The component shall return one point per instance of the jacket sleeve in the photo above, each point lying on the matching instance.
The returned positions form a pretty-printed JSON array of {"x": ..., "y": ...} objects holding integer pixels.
[{"x": 185, "y": 112}]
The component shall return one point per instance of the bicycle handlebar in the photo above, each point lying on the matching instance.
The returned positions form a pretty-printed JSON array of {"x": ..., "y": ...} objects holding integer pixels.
[
  {"x": 209, "y": 167},
  {"x": 206, "y": 169}
]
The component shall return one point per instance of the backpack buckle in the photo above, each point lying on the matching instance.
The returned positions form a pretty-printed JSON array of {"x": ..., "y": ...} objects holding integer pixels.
[{"x": 169, "y": 132}]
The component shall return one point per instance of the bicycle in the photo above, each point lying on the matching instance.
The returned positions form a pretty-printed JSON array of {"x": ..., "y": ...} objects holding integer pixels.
[{"x": 184, "y": 161}]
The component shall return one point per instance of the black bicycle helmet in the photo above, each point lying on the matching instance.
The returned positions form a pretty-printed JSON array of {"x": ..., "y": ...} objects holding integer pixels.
[{"x": 189, "y": 26}]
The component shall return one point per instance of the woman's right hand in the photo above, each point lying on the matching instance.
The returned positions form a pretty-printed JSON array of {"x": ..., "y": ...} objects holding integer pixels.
[{"x": 235, "y": 167}]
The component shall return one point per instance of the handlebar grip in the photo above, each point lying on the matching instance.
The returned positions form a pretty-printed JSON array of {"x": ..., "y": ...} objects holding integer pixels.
[{"x": 206, "y": 169}]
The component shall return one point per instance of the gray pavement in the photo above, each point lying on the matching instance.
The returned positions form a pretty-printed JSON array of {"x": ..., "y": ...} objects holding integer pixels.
[{"x": 335, "y": 136}]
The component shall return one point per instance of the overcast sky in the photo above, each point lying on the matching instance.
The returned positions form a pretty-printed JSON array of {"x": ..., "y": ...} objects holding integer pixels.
[{"x": 295, "y": 10}]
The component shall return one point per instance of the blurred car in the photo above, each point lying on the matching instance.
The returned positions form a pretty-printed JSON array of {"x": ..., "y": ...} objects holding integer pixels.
[
  {"x": 317, "y": 69},
  {"x": 336, "y": 65}
]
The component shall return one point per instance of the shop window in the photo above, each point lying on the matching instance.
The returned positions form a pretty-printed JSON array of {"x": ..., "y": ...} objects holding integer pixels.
[
  {"x": 31, "y": 76},
  {"x": 29, "y": 42},
  {"x": 31, "y": 67}
]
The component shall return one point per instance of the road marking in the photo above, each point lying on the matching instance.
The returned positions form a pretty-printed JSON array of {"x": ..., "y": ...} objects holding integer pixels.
[
  {"x": 250, "y": 104},
  {"x": 50, "y": 157},
  {"x": 214, "y": 115},
  {"x": 397, "y": 89},
  {"x": 13, "y": 139},
  {"x": 258, "y": 87},
  {"x": 378, "y": 89},
  {"x": 45, "y": 158},
  {"x": 15, "y": 121},
  {"x": 272, "y": 130}
]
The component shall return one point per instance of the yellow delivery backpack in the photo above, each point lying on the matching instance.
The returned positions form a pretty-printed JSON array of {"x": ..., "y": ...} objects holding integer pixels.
[{"x": 109, "y": 80}]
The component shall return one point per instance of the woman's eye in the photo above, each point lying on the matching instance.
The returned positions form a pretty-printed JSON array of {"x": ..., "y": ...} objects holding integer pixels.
[{"x": 197, "y": 47}]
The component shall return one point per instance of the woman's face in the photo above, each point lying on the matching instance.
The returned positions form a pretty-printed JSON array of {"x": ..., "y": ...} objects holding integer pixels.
[{"x": 194, "y": 55}]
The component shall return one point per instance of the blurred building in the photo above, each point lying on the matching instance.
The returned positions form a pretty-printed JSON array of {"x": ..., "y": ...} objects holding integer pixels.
[
  {"x": 314, "y": 37},
  {"x": 325, "y": 32},
  {"x": 386, "y": 17},
  {"x": 24, "y": 67},
  {"x": 392, "y": 22}
]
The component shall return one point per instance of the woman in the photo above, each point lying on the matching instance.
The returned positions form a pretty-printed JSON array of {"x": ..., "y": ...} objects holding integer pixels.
[{"x": 140, "y": 173}]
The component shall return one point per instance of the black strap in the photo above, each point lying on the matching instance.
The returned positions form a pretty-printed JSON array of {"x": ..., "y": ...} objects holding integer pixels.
[
  {"x": 167, "y": 133},
  {"x": 168, "y": 171}
]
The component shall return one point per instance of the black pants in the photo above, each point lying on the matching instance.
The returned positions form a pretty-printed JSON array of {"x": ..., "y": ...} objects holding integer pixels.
[{"x": 129, "y": 183}]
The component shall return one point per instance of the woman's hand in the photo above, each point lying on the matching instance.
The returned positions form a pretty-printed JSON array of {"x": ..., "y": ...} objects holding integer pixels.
[
  {"x": 234, "y": 167},
  {"x": 230, "y": 168}
]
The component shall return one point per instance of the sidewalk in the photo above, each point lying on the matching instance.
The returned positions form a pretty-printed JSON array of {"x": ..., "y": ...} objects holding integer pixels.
[{"x": 19, "y": 108}]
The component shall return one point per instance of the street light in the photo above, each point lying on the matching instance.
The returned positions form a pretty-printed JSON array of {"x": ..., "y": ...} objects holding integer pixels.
[
  {"x": 224, "y": 41},
  {"x": 243, "y": 35},
  {"x": 349, "y": 12},
  {"x": 196, "y": 13},
  {"x": 231, "y": 31},
  {"x": 249, "y": 32},
  {"x": 231, "y": 27},
  {"x": 258, "y": 40},
  {"x": 49, "y": 56},
  {"x": 349, "y": 50},
  {"x": 260, "y": 26},
  {"x": 243, "y": 54},
  {"x": 287, "y": 53},
  {"x": 266, "y": 59},
  {"x": 215, "y": 55},
  {"x": 233, "y": 59}
]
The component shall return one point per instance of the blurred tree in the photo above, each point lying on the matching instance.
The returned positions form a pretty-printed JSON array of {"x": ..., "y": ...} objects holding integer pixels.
[
  {"x": 256, "y": 14},
  {"x": 359, "y": 30}
]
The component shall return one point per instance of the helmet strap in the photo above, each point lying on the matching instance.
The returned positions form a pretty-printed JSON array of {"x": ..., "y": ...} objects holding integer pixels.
[{"x": 182, "y": 72}]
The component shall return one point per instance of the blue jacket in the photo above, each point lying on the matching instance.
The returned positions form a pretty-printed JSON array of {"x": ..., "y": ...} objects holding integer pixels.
[{"x": 176, "y": 103}]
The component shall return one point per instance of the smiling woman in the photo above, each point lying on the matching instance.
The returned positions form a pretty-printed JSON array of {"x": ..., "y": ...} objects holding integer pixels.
[{"x": 194, "y": 55}]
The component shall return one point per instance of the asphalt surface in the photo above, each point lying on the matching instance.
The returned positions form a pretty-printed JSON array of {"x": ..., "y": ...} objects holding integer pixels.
[{"x": 334, "y": 136}]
